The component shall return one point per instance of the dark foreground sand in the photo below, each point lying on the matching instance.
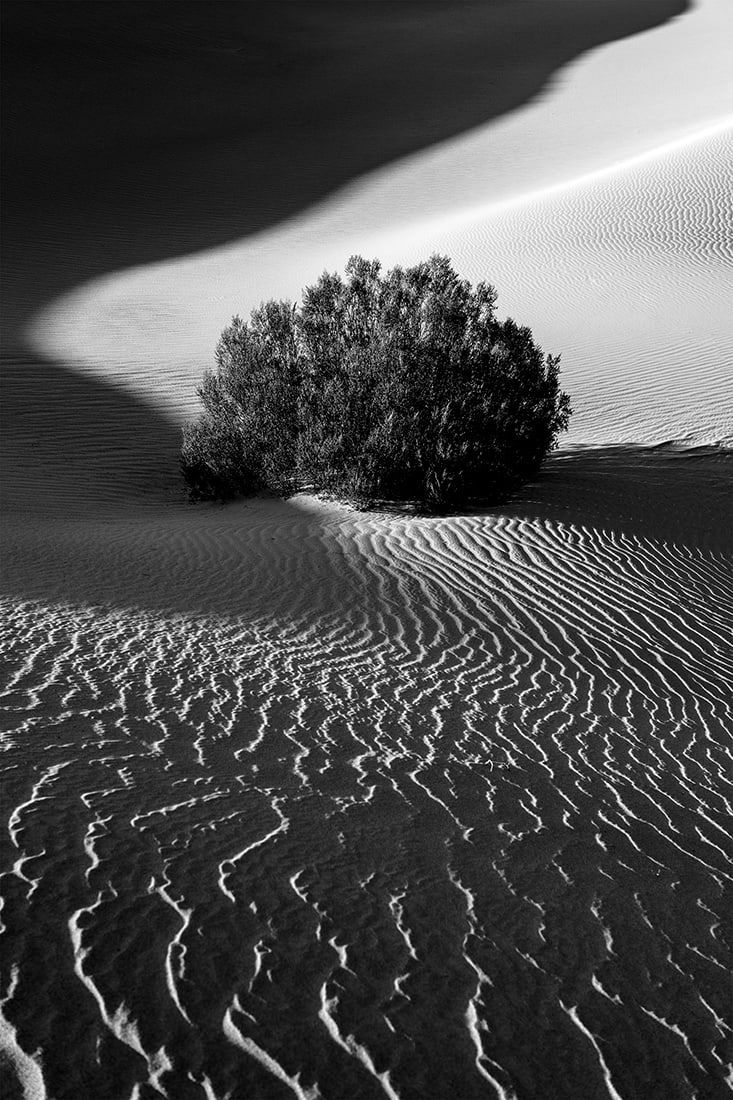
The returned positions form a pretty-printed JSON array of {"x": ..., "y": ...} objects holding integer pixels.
[{"x": 307, "y": 802}]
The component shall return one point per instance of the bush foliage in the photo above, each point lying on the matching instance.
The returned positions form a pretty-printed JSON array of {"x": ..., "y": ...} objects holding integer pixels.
[{"x": 402, "y": 386}]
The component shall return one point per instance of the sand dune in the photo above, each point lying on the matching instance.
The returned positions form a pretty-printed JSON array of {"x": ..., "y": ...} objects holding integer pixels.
[
  {"x": 631, "y": 277},
  {"x": 307, "y": 802},
  {"x": 628, "y": 273},
  {"x": 142, "y": 137},
  {"x": 472, "y": 770}
]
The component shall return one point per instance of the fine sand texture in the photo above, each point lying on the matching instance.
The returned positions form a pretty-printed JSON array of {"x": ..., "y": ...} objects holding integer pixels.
[{"x": 305, "y": 802}]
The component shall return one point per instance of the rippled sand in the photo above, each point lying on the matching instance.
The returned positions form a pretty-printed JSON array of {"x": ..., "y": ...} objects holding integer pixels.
[
  {"x": 307, "y": 802},
  {"x": 407, "y": 806}
]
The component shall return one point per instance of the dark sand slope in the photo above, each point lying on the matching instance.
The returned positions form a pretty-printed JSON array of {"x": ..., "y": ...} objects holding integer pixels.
[
  {"x": 135, "y": 132},
  {"x": 406, "y": 808}
]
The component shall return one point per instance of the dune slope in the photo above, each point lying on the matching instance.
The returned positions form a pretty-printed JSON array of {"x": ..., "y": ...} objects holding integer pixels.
[{"x": 414, "y": 807}]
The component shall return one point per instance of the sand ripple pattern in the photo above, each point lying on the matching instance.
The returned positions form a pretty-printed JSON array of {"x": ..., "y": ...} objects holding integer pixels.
[
  {"x": 630, "y": 276},
  {"x": 453, "y": 819}
]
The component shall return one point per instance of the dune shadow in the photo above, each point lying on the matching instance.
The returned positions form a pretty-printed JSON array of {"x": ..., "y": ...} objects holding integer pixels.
[
  {"x": 133, "y": 136},
  {"x": 664, "y": 493},
  {"x": 77, "y": 442},
  {"x": 137, "y": 132}
]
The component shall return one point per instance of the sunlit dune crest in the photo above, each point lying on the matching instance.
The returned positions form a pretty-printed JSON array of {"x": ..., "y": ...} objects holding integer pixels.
[{"x": 631, "y": 263}]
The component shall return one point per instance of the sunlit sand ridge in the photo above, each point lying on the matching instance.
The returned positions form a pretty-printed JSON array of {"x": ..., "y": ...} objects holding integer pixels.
[
  {"x": 590, "y": 227},
  {"x": 306, "y": 802},
  {"x": 629, "y": 272}
]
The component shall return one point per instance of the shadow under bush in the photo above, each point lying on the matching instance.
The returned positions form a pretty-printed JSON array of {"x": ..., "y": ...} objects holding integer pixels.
[{"x": 396, "y": 387}]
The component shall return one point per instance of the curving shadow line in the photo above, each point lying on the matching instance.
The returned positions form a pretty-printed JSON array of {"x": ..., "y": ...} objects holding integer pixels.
[{"x": 135, "y": 132}]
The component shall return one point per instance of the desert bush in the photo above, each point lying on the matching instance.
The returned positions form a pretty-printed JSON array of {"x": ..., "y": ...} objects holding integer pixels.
[{"x": 402, "y": 386}]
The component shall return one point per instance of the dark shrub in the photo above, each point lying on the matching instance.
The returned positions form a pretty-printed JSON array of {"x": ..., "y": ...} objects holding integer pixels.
[{"x": 401, "y": 387}]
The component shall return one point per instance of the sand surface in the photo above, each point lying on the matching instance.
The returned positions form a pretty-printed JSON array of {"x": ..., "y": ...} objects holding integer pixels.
[{"x": 306, "y": 802}]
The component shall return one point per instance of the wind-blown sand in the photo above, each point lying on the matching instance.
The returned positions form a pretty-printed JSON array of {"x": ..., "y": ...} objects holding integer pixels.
[{"x": 307, "y": 802}]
